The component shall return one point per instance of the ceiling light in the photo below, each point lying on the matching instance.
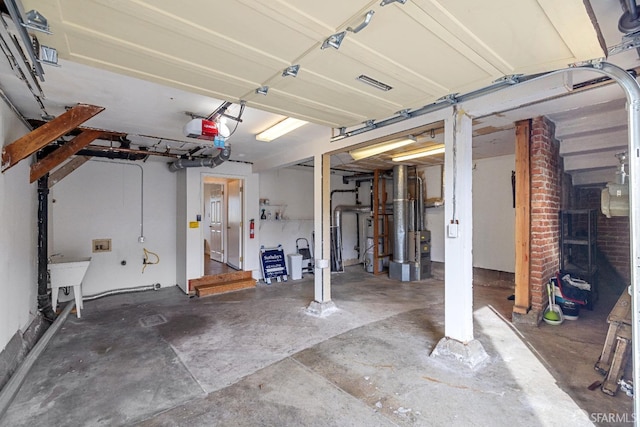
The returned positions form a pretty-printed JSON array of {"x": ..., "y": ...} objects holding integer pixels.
[
  {"x": 262, "y": 90},
  {"x": 431, "y": 151},
  {"x": 334, "y": 41},
  {"x": 373, "y": 82},
  {"x": 372, "y": 150},
  {"x": 276, "y": 131},
  {"x": 291, "y": 71}
]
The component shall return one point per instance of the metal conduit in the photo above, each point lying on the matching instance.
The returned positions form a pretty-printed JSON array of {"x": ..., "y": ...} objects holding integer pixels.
[
  {"x": 141, "y": 237},
  {"x": 153, "y": 287}
]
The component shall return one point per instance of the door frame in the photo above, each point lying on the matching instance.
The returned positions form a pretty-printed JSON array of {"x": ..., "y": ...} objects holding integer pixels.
[{"x": 211, "y": 178}]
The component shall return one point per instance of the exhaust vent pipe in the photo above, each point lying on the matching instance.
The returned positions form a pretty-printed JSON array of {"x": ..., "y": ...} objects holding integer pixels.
[
  {"x": 210, "y": 162},
  {"x": 399, "y": 267},
  {"x": 630, "y": 20}
]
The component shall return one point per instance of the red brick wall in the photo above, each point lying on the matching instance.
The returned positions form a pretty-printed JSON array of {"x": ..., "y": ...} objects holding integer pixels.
[
  {"x": 546, "y": 186},
  {"x": 613, "y": 233}
]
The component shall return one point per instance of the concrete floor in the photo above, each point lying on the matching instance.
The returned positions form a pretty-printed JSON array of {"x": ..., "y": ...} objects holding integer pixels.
[{"x": 254, "y": 357}]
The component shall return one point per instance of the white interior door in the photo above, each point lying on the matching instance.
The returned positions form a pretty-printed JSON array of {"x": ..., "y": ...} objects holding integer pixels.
[
  {"x": 216, "y": 226},
  {"x": 234, "y": 224}
]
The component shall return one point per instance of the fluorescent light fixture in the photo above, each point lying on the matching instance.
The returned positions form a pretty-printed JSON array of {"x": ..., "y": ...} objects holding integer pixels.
[
  {"x": 431, "y": 151},
  {"x": 373, "y": 82},
  {"x": 281, "y": 128},
  {"x": 372, "y": 150}
]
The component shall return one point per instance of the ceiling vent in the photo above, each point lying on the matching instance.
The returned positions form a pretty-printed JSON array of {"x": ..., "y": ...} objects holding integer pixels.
[{"x": 373, "y": 82}]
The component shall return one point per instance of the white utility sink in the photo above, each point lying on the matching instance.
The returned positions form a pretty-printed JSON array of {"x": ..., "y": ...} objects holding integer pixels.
[{"x": 70, "y": 272}]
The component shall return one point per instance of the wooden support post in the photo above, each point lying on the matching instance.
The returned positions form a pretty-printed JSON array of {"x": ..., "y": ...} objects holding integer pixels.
[
  {"x": 38, "y": 138},
  {"x": 57, "y": 157},
  {"x": 523, "y": 218}
]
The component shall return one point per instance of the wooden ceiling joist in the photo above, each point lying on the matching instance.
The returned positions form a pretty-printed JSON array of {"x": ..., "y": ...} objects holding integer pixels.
[
  {"x": 38, "y": 138},
  {"x": 107, "y": 135},
  {"x": 61, "y": 154}
]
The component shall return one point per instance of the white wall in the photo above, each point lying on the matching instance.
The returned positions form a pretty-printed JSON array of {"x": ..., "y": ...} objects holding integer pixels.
[
  {"x": 493, "y": 214},
  {"x": 102, "y": 200},
  {"x": 293, "y": 187},
  {"x": 18, "y": 238}
]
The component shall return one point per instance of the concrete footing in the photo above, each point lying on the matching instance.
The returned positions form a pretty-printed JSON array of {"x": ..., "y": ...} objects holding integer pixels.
[
  {"x": 532, "y": 318},
  {"x": 321, "y": 309},
  {"x": 471, "y": 354}
]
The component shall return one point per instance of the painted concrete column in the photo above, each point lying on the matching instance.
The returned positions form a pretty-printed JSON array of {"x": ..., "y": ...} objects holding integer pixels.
[
  {"x": 458, "y": 267},
  {"x": 322, "y": 304},
  {"x": 458, "y": 342}
]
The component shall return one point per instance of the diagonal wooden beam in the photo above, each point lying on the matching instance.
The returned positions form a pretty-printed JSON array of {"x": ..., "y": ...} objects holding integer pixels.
[
  {"x": 36, "y": 139},
  {"x": 64, "y": 170},
  {"x": 57, "y": 157}
]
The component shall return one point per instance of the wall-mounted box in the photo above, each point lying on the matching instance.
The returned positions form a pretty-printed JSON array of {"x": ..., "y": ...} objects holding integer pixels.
[{"x": 101, "y": 245}]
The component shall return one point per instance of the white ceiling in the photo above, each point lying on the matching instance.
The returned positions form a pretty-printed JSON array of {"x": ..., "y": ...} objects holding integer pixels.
[{"x": 150, "y": 62}]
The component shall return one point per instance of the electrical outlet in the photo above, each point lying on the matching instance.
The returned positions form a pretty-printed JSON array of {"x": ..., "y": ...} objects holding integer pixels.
[{"x": 452, "y": 230}]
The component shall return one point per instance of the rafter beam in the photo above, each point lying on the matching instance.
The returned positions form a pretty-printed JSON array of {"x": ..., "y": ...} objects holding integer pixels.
[
  {"x": 64, "y": 170},
  {"x": 107, "y": 135},
  {"x": 57, "y": 157},
  {"x": 38, "y": 138}
]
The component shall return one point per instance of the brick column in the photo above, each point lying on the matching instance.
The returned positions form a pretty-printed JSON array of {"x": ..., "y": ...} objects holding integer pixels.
[{"x": 546, "y": 186}]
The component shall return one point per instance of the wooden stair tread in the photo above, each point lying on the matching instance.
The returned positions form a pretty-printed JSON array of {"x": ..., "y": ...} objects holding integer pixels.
[
  {"x": 221, "y": 283},
  {"x": 219, "y": 278}
]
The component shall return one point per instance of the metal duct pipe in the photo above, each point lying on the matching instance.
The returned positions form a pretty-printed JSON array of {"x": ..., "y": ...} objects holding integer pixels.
[
  {"x": 633, "y": 9},
  {"x": 336, "y": 228},
  {"x": 400, "y": 214},
  {"x": 210, "y": 162}
]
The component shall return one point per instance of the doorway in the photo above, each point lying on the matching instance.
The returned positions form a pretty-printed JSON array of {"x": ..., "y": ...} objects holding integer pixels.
[{"x": 222, "y": 224}]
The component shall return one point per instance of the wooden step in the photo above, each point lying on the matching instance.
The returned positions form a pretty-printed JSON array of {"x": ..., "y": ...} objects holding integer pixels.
[{"x": 220, "y": 283}]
